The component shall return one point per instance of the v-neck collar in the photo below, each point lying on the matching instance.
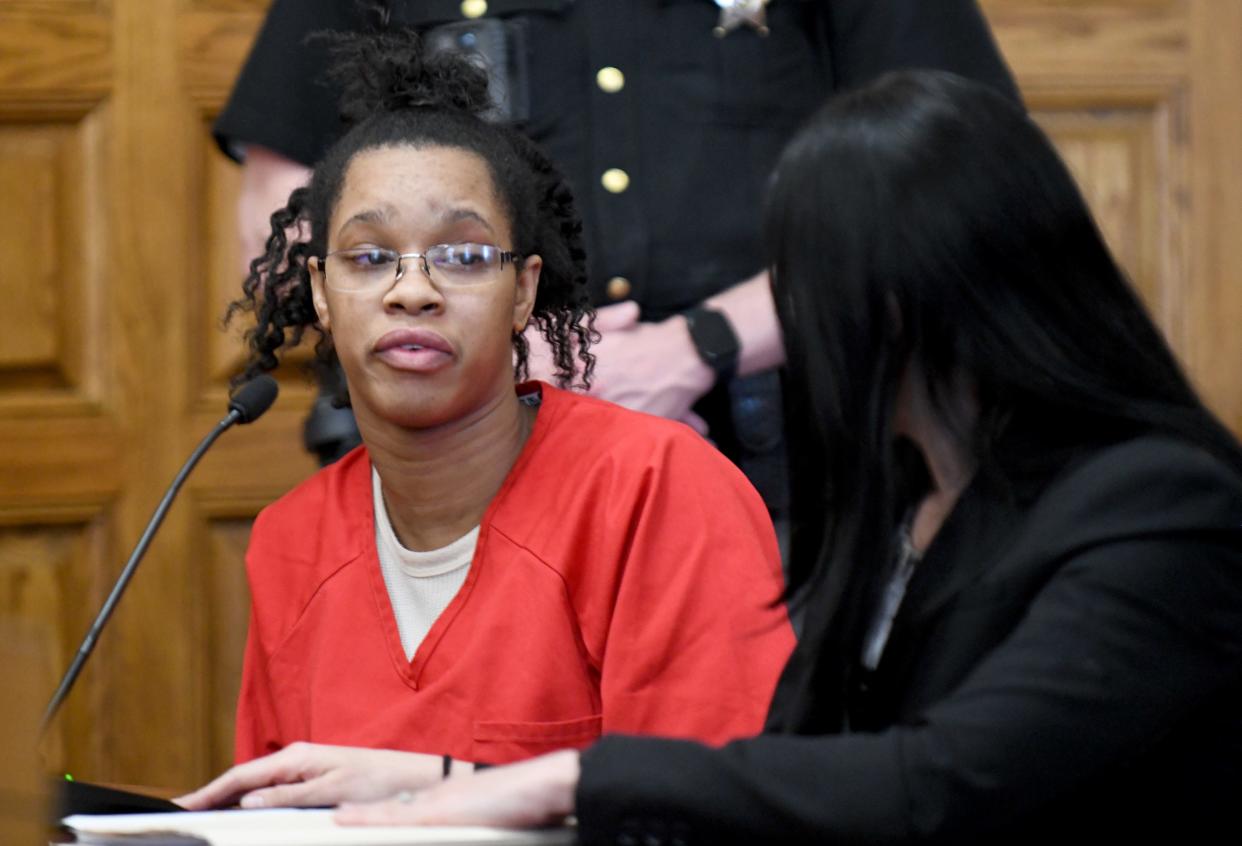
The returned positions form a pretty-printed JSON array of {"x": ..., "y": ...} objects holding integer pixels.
[{"x": 411, "y": 670}]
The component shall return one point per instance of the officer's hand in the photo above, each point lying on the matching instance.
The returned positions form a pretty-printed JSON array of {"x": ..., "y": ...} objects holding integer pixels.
[
  {"x": 607, "y": 319},
  {"x": 651, "y": 367}
]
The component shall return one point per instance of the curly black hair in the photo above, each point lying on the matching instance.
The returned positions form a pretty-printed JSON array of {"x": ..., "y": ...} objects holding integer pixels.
[{"x": 396, "y": 94}]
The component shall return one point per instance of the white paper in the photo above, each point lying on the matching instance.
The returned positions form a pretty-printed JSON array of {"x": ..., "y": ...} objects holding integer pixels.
[{"x": 299, "y": 827}]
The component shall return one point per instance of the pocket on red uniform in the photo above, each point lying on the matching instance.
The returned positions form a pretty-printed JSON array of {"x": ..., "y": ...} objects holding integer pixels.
[{"x": 498, "y": 742}]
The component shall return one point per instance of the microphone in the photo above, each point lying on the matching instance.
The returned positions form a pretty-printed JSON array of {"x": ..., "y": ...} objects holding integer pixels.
[
  {"x": 251, "y": 401},
  {"x": 245, "y": 406}
]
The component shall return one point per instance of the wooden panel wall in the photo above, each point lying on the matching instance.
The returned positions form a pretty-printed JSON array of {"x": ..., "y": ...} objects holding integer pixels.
[
  {"x": 117, "y": 237},
  {"x": 1140, "y": 96},
  {"x": 23, "y": 654},
  {"x": 116, "y": 234}
]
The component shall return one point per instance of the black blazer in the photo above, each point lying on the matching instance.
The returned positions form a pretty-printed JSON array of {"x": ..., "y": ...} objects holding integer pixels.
[{"x": 1067, "y": 663}]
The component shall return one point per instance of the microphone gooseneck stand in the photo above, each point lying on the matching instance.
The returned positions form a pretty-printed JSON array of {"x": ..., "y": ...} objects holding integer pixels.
[{"x": 250, "y": 401}]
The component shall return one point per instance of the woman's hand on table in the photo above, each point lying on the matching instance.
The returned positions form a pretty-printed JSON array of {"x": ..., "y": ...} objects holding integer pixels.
[
  {"x": 533, "y": 793},
  {"x": 311, "y": 775}
]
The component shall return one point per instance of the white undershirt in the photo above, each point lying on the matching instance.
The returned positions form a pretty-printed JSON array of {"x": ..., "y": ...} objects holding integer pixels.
[{"x": 420, "y": 584}]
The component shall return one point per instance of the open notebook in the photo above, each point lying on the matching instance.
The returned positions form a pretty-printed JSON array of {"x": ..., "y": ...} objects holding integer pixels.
[{"x": 289, "y": 827}]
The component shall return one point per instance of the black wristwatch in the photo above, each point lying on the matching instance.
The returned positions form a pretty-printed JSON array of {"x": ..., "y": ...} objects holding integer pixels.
[{"x": 715, "y": 341}]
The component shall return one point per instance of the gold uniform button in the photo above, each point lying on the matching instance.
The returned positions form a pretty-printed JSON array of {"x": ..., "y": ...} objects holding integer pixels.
[
  {"x": 619, "y": 288},
  {"x": 610, "y": 80},
  {"x": 474, "y": 8},
  {"x": 615, "y": 180}
]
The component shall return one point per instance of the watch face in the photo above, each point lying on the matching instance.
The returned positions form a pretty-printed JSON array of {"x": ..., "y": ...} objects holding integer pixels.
[{"x": 714, "y": 339}]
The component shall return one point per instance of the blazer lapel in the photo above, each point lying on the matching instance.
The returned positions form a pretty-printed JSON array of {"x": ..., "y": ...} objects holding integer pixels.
[{"x": 976, "y": 534}]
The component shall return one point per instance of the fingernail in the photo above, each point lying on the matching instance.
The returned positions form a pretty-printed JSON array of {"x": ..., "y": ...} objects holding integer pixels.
[{"x": 252, "y": 801}]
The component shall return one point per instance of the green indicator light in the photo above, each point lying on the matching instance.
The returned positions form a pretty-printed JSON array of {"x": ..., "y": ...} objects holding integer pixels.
[{"x": 68, "y": 777}]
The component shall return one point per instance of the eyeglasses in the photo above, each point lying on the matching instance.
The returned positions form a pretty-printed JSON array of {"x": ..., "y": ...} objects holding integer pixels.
[{"x": 447, "y": 264}]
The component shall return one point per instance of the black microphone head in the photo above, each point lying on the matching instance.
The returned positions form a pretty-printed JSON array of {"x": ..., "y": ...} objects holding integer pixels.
[{"x": 253, "y": 398}]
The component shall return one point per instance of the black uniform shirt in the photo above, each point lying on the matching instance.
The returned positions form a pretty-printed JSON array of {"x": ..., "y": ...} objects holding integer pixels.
[{"x": 666, "y": 131}]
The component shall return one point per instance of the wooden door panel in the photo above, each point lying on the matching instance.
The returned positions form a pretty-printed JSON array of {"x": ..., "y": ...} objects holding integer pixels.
[
  {"x": 1127, "y": 157},
  {"x": 31, "y": 345},
  {"x": 224, "y": 269},
  {"x": 23, "y": 655},
  {"x": 1107, "y": 81},
  {"x": 1061, "y": 40},
  {"x": 1136, "y": 95},
  {"x": 53, "y": 352},
  {"x": 54, "y": 52},
  {"x": 51, "y": 578},
  {"x": 1212, "y": 342},
  {"x": 61, "y": 465},
  {"x": 227, "y": 608}
]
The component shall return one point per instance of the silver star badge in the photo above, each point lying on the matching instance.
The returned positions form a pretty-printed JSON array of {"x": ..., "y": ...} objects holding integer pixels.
[{"x": 734, "y": 13}]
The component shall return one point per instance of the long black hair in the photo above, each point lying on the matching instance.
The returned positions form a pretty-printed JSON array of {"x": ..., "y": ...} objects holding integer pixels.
[
  {"x": 395, "y": 94},
  {"x": 925, "y": 220}
]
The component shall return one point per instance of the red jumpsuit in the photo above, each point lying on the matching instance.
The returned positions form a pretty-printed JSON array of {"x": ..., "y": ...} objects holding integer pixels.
[{"x": 624, "y": 581}]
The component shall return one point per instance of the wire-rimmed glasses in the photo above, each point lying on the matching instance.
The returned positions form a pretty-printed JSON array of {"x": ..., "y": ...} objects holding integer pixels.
[{"x": 366, "y": 268}]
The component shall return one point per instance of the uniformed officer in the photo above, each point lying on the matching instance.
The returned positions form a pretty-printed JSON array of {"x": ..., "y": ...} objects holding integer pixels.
[{"x": 666, "y": 115}]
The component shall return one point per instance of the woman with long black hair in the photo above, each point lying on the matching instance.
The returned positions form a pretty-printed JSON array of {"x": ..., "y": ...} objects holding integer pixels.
[{"x": 1018, "y": 532}]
